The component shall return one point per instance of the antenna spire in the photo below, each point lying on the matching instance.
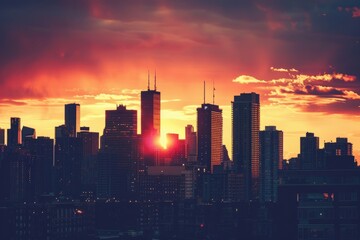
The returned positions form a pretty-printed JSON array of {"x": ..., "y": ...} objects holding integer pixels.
[
  {"x": 204, "y": 92},
  {"x": 148, "y": 80},
  {"x": 155, "y": 81},
  {"x": 213, "y": 94}
]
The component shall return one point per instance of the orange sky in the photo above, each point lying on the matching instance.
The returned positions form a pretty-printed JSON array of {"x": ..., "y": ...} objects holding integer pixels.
[{"x": 301, "y": 59}]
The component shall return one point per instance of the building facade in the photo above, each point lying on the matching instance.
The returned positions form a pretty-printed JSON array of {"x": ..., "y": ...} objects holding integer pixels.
[
  {"x": 246, "y": 149},
  {"x": 209, "y": 129}
]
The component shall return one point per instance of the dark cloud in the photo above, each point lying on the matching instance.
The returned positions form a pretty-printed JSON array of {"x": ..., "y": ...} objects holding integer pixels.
[{"x": 58, "y": 40}]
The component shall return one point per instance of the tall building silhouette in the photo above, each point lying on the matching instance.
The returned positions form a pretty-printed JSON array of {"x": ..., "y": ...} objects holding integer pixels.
[
  {"x": 68, "y": 157},
  {"x": 118, "y": 157},
  {"x": 42, "y": 152},
  {"x": 2, "y": 136},
  {"x": 14, "y": 133},
  {"x": 150, "y": 123},
  {"x": 271, "y": 157},
  {"x": 209, "y": 130},
  {"x": 309, "y": 146},
  {"x": 27, "y": 133},
  {"x": 72, "y": 118},
  {"x": 245, "y": 139},
  {"x": 150, "y": 111},
  {"x": 90, "y": 149},
  {"x": 190, "y": 143}
]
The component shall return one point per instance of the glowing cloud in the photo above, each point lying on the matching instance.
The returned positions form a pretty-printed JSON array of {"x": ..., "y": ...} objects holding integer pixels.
[{"x": 245, "y": 79}]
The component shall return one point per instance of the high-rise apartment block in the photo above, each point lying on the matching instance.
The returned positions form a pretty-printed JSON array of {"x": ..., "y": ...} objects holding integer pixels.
[{"x": 245, "y": 139}]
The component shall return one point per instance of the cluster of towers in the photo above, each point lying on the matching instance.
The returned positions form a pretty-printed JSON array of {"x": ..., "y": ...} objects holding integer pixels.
[{"x": 132, "y": 169}]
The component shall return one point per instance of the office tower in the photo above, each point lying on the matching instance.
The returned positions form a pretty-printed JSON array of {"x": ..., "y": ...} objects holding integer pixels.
[
  {"x": 245, "y": 139},
  {"x": 190, "y": 143},
  {"x": 118, "y": 156},
  {"x": 150, "y": 124},
  {"x": 27, "y": 133},
  {"x": 90, "y": 148},
  {"x": 309, "y": 147},
  {"x": 209, "y": 129},
  {"x": 14, "y": 133},
  {"x": 271, "y": 157},
  {"x": 67, "y": 164},
  {"x": 2, "y": 136},
  {"x": 338, "y": 155},
  {"x": 72, "y": 118},
  {"x": 150, "y": 111},
  {"x": 19, "y": 161},
  {"x": 42, "y": 152},
  {"x": 61, "y": 132}
]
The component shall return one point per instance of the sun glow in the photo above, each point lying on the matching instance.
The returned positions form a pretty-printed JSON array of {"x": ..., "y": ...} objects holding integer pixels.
[{"x": 163, "y": 141}]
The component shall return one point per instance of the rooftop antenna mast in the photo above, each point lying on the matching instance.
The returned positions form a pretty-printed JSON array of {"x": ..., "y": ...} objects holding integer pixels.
[
  {"x": 213, "y": 94},
  {"x": 155, "y": 81},
  {"x": 148, "y": 80},
  {"x": 204, "y": 92}
]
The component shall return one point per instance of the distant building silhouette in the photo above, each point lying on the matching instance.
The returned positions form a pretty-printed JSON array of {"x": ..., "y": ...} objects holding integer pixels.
[
  {"x": 309, "y": 146},
  {"x": 27, "y": 133},
  {"x": 209, "y": 130},
  {"x": 271, "y": 157},
  {"x": 338, "y": 155},
  {"x": 2, "y": 136},
  {"x": 245, "y": 139},
  {"x": 72, "y": 118},
  {"x": 190, "y": 143},
  {"x": 14, "y": 133},
  {"x": 174, "y": 154}
]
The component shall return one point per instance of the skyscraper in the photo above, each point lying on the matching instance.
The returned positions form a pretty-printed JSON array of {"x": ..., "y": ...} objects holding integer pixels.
[
  {"x": 209, "y": 129},
  {"x": 90, "y": 148},
  {"x": 2, "y": 136},
  {"x": 118, "y": 157},
  {"x": 72, "y": 118},
  {"x": 150, "y": 112},
  {"x": 14, "y": 133},
  {"x": 309, "y": 147},
  {"x": 271, "y": 157},
  {"x": 150, "y": 124},
  {"x": 190, "y": 143},
  {"x": 27, "y": 133},
  {"x": 42, "y": 152},
  {"x": 245, "y": 129}
]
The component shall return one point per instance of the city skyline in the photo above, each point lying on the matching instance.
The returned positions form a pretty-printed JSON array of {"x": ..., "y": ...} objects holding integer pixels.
[{"x": 98, "y": 54}]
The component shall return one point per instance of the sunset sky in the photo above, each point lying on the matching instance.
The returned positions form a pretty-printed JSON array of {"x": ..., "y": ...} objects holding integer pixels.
[{"x": 302, "y": 57}]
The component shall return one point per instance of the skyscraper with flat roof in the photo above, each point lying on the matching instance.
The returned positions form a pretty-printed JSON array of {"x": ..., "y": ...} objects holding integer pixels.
[
  {"x": 271, "y": 157},
  {"x": 119, "y": 154},
  {"x": 14, "y": 133},
  {"x": 2, "y": 136},
  {"x": 309, "y": 146},
  {"x": 72, "y": 118},
  {"x": 209, "y": 129},
  {"x": 245, "y": 139}
]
